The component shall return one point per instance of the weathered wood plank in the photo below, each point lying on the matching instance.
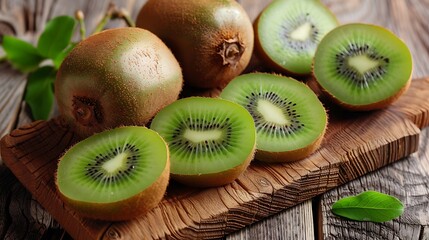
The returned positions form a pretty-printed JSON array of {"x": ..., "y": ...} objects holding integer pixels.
[
  {"x": 424, "y": 233},
  {"x": 406, "y": 180},
  {"x": 12, "y": 89},
  {"x": 293, "y": 223}
]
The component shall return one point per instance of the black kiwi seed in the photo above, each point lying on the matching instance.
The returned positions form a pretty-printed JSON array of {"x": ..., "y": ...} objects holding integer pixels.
[
  {"x": 372, "y": 75},
  {"x": 272, "y": 128}
]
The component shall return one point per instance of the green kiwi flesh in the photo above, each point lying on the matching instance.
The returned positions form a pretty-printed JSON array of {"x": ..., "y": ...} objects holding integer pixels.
[
  {"x": 362, "y": 66},
  {"x": 211, "y": 141},
  {"x": 288, "y": 32},
  {"x": 289, "y": 118},
  {"x": 114, "y": 175}
]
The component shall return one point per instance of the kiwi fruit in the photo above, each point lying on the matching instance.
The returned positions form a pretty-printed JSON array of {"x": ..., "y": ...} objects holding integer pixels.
[
  {"x": 287, "y": 33},
  {"x": 115, "y": 175},
  {"x": 362, "y": 66},
  {"x": 211, "y": 39},
  {"x": 121, "y": 76},
  {"x": 211, "y": 141},
  {"x": 290, "y": 120}
]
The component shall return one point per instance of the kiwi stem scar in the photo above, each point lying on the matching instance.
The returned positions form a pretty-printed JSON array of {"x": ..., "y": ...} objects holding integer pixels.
[
  {"x": 201, "y": 136},
  {"x": 87, "y": 111},
  {"x": 272, "y": 113},
  {"x": 231, "y": 51}
]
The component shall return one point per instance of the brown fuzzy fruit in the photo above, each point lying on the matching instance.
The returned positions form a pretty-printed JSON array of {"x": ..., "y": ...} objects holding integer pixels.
[
  {"x": 121, "y": 76},
  {"x": 212, "y": 40}
]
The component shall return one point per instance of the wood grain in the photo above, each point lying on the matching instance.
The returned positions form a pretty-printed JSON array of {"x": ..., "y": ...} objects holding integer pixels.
[
  {"x": 294, "y": 223},
  {"x": 355, "y": 145},
  {"x": 406, "y": 180},
  {"x": 21, "y": 18},
  {"x": 12, "y": 88}
]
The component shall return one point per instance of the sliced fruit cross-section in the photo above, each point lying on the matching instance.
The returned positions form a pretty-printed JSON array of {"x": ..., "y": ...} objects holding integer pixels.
[
  {"x": 290, "y": 120},
  {"x": 211, "y": 140}
]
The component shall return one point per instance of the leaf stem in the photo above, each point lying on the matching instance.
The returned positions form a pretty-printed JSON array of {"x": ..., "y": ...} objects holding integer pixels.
[
  {"x": 82, "y": 28},
  {"x": 107, "y": 16},
  {"x": 122, "y": 13}
]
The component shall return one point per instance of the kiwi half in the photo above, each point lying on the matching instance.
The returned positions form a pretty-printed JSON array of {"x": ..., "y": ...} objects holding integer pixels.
[
  {"x": 287, "y": 33},
  {"x": 115, "y": 175},
  {"x": 289, "y": 118},
  {"x": 211, "y": 141},
  {"x": 362, "y": 66}
]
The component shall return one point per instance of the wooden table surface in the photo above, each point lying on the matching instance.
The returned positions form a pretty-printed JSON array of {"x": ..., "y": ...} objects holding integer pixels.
[{"x": 22, "y": 218}]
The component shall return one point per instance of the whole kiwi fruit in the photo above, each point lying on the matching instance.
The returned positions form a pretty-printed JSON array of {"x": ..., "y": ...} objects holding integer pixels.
[
  {"x": 211, "y": 39},
  {"x": 120, "y": 76}
]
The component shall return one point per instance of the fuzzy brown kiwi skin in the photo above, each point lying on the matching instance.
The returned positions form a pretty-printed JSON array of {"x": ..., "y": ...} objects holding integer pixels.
[
  {"x": 121, "y": 76},
  {"x": 212, "y": 40},
  {"x": 215, "y": 179},
  {"x": 201, "y": 92},
  {"x": 126, "y": 209}
]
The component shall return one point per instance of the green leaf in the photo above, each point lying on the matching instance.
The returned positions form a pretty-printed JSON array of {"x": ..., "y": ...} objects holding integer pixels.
[
  {"x": 60, "y": 58},
  {"x": 369, "y": 206},
  {"x": 21, "y": 54},
  {"x": 56, "y": 36},
  {"x": 39, "y": 93}
]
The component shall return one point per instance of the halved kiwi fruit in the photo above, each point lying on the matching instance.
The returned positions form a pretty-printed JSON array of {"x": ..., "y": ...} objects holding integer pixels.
[
  {"x": 287, "y": 33},
  {"x": 211, "y": 141},
  {"x": 362, "y": 66},
  {"x": 115, "y": 78},
  {"x": 115, "y": 175},
  {"x": 211, "y": 39},
  {"x": 289, "y": 118}
]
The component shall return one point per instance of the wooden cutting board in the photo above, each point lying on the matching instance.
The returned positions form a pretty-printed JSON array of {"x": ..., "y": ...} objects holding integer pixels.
[{"x": 355, "y": 144}]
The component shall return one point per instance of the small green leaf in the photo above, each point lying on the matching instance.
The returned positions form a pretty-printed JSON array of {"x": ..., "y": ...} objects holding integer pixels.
[
  {"x": 39, "y": 93},
  {"x": 60, "y": 58},
  {"x": 21, "y": 54},
  {"x": 56, "y": 36},
  {"x": 369, "y": 206}
]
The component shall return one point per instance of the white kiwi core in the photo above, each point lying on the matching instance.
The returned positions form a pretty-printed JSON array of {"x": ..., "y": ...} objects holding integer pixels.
[
  {"x": 201, "y": 136},
  {"x": 301, "y": 33},
  {"x": 362, "y": 63},
  {"x": 114, "y": 164},
  {"x": 271, "y": 112}
]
